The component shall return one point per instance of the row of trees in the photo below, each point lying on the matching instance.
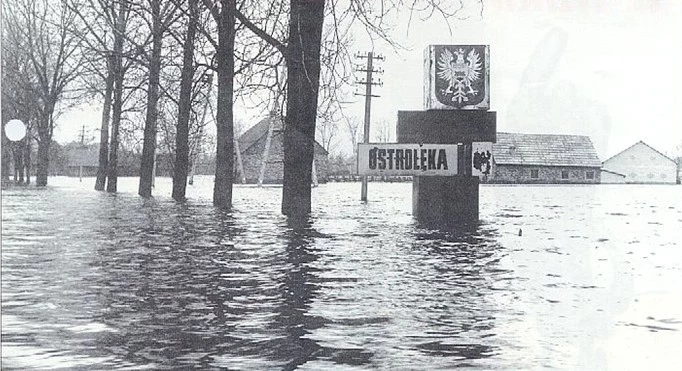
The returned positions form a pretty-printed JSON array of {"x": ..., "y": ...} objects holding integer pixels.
[{"x": 152, "y": 64}]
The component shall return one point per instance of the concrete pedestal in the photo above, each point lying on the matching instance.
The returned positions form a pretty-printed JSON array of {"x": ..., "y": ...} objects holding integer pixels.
[{"x": 445, "y": 200}]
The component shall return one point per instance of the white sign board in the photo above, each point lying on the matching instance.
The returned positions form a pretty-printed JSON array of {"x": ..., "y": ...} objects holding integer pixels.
[
  {"x": 407, "y": 159},
  {"x": 481, "y": 158}
]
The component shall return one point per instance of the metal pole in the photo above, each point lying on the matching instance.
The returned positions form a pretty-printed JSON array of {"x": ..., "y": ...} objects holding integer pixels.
[{"x": 368, "y": 103}]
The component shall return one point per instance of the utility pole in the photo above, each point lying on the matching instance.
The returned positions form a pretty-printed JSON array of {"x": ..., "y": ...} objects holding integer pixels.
[
  {"x": 368, "y": 83},
  {"x": 80, "y": 165}
]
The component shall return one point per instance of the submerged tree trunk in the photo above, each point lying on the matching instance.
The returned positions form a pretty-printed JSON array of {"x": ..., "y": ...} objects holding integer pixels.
[
  {"x": 45, "y": 136},
  {"x": 27, "y": 157},
  {"x": 5, "y": 156},
  {"x": 224, "y": 172},
  {"x": 184, "y": 108},
  {"x": 43, "y": 162},
  {"x": 18, "y": 164},
  {"x": 117, "y": 101},
  {"x": 303, "y": 72},
  {"x": 104, "y": 129},
  {"x": 149, "y": 144},
  {"x": 117, "y": 108}
]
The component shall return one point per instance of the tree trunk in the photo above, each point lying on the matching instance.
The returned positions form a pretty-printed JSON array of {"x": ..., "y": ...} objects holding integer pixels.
[
  {"x": 43, "y": 161},
  {"x": 117, "y": 108},
  {"x": 18, "y": 164},
  {"x": 184, "y": 108},
  {"x": 45, "y": 135},
  {"x": 303, "y": 73},
  {"x": 27, "y": 157},
  {"x": 149, "y": 144},
  {"x": 224, "y": 171},
  {"x": 104, "y": 130},
  {"x": 117, "y": 102},
  {"x": 5, "y": 156}
]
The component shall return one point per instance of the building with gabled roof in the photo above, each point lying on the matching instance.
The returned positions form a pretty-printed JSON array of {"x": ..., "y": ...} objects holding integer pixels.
[
  {"x": 640, "y": 163},
  {"x": 544, "y": 158},
  {"x": 261, "y": 154}
]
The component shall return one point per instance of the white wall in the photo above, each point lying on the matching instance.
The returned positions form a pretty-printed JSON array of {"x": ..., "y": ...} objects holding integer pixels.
[
  {"x": 641, "y": 164},
  {"x": 610, "y": 178}
]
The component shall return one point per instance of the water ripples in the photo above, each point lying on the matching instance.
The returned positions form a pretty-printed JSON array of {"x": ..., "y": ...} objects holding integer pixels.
[{"x": 94, "y": 281}]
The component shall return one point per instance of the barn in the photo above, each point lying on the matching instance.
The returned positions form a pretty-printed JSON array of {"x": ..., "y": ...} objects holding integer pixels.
[
  {"x": 260, "y": 154},
  {"x": 640, "y": 163},
  {"x": 544, "y": 158}
]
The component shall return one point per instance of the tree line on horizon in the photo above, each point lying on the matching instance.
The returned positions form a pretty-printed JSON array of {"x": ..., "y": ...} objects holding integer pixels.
[{"x": 153, "y": 65}]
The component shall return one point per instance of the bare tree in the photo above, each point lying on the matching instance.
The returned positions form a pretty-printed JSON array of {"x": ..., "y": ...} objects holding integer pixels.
[
  {"x": 353, "y": 126},
  {"x": 327, "y": 129},
  {"x": 223, "y": 13},
  {"x": 117, "y": 70},
  {"x": 46, "y": 28},
  {"x": 181, "y": 165},
  {"x": 162, "y": 14},
  {"x": 303, "y": 52},
  {"x": 19, "y": 99},
  {"x": 383, "y": 133}
]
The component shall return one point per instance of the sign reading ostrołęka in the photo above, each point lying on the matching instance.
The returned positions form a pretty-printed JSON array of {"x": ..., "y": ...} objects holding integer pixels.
[
  {"x": 457, "y": 77},
  {"x": 407, "y": 159}
]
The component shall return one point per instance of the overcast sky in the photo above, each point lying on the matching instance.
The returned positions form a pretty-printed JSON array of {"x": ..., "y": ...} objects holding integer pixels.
[{"x": 609, "y": 69}]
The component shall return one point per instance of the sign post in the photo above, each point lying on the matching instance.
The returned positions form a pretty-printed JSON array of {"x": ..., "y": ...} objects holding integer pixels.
[{"x": 456, "y": 112}]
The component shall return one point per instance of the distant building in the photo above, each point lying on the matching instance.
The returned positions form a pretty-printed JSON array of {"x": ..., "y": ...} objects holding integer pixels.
[
  {"x": 81, "y": 159},
  {"x": 543, "y": 158},
  {"x": 252, "y": 150},
  {"x": 640, "y": 163}
]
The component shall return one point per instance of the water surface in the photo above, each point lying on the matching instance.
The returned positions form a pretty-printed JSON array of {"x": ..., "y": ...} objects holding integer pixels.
[{"x": 98, "y": 281}]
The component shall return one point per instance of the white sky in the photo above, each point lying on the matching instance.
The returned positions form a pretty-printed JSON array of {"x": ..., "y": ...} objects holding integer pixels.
[{"x": 609, "y": 69}]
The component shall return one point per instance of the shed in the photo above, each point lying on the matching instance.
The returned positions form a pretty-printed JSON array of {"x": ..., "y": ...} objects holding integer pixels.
[
  {"x": 261, "y": 154},
  {"x": 544, "y": 158},
  {"x": 641, "y": 163}
]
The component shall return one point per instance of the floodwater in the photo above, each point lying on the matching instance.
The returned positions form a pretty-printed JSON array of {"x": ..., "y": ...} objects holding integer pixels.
[{"x": 98, "y": 281}]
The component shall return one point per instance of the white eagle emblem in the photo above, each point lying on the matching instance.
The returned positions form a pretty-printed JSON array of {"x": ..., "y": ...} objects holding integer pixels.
[{"x": 459, "y": 74}]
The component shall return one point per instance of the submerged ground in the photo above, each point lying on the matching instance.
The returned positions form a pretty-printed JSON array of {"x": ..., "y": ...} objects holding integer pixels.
[{"x": 98, "y": 281}]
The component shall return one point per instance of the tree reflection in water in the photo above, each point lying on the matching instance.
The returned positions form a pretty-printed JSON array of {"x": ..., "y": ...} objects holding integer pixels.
[{"x": 299, "y": 284}]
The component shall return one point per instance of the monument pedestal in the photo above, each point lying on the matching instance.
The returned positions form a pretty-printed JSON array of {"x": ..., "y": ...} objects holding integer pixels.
[{"x": 445, "y": 200}]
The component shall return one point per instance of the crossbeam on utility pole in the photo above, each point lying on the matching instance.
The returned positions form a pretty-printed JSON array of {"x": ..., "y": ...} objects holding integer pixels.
[{"x": 368, "y": 83}]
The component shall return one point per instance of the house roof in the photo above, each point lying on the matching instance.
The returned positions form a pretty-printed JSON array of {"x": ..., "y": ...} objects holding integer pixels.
[
  {"x": 545, "y": 150},
  {"x": 256, "y": 132},
  {"x": 251, "y": 136},
  {"x": 640, "y": 142}
]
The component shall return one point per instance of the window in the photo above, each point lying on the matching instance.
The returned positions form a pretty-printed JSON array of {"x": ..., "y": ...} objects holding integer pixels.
[
  {"x": 564, "y": 174},
  {"x": 589, "y": 175},
  {"x": 534, "y": 174},
  {"x": 650, "y": 175},
  {"x": 662, "y": 175}
]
